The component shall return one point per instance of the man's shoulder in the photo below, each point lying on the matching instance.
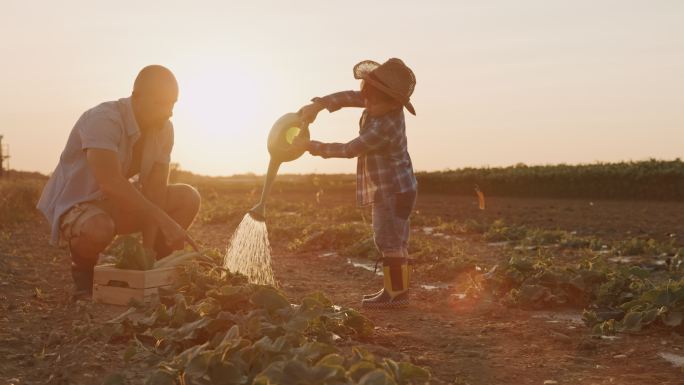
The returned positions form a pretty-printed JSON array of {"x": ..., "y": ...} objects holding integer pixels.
[{"x": 105, "y": 110}]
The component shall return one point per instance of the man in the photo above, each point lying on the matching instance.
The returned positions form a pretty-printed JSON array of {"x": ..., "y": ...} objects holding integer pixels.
[
  {"x": 89, "y": 198},
  {"x": 385, "y": 178}
]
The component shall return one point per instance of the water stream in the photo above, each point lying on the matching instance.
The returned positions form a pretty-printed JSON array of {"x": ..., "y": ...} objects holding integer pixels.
[{"x": 249, "y": 252}]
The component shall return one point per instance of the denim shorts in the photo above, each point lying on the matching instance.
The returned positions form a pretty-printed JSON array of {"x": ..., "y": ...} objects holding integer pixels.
[{"x": 391, "y": 221}]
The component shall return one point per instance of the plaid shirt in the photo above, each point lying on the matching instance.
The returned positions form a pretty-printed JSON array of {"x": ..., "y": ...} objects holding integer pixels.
[{"x": 384, "y": 166}]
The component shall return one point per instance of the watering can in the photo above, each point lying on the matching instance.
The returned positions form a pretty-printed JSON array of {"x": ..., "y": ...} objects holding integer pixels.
[{"x": 280, "y": 148}]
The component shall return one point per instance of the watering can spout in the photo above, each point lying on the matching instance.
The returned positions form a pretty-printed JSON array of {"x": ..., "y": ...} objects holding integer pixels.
[
  {"x": 258, "y": 212},
  {"x": 281, "y": 150}
]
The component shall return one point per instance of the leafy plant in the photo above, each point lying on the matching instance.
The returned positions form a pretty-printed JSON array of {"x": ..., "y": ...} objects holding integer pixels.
[
  {"x": 662, "y": 304},
  {"x": 215, "y": 328},
  {"x": 130, "y": 253}
]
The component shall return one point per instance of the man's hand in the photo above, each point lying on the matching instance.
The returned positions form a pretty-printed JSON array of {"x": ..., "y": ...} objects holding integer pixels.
[
  {"x": 107, "y": 171},
  {"x": 174, "y": 234},
  {"x": 309, "y": 112},
  {"x": 300, "y": 143}
]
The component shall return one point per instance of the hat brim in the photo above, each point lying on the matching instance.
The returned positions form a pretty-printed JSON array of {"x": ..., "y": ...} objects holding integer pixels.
[
  {"x": 375, "y": 83},
  {"x": 362, "y": 69}
]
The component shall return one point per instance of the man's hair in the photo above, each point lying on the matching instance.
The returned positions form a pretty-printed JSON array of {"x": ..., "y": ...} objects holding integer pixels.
[{"x": 153, "y": 77}]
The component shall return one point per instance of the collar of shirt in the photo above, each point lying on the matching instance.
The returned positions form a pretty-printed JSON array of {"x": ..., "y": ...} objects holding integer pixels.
[{"x": 131, "y": 124}]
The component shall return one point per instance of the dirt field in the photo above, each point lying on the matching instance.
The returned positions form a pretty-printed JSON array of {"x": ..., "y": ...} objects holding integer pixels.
[{"x": 46, "y": 337}]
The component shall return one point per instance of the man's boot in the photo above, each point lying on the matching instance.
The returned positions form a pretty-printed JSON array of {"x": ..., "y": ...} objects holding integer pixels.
[
  {"x": 82, "y": 274},
  {"x": 395, "y": 292}
]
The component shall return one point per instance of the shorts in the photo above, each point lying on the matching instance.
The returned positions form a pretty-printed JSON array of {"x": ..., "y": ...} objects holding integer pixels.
[
  {"x": 391, "y": 222},
  {"x": 71, "y": 222}
]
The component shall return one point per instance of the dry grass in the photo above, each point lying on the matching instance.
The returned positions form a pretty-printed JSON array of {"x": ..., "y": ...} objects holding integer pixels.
[{"x": 18, "y": 198}]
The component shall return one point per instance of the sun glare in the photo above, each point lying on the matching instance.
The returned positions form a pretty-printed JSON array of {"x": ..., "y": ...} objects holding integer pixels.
[{"x": 218, "y": 102}]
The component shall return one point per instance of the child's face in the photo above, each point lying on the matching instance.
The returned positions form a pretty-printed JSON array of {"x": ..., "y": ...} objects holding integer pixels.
[{"x": 364, "y": 93}]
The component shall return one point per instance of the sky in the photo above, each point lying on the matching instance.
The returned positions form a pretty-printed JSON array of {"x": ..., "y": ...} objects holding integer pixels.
[{"x": 499, "y": 82}]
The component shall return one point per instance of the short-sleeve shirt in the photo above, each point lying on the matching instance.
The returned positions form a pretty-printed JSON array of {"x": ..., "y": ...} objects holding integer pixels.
[{"x": 108, "y": 126}]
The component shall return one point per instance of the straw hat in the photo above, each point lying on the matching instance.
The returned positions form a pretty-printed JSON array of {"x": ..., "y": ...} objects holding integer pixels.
[{"x": 392, "y": 77}]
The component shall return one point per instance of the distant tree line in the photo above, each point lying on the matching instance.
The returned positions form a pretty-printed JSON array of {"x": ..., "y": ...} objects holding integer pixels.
[
  {"x": 651, "y": 179},
  {"x": 642, "y": 180}
]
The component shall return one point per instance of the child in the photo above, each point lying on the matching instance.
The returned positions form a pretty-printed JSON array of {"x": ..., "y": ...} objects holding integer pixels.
[{"x": 384, "y": 174}]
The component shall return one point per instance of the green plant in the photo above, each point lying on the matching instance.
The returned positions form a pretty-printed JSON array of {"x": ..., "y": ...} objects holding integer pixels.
[
  {"x": 130, "y": 253},
  {"x": 662, "y": 304},
  {"x": 215, "y": 328},
  {"x": 331, "y": 237},
  {"x": 499, "y": 231}
]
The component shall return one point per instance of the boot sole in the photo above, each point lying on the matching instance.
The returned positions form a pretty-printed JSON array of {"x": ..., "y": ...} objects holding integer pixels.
[
  {"x": 385, "y": 305},
  {"x": 369, "y": 296}
]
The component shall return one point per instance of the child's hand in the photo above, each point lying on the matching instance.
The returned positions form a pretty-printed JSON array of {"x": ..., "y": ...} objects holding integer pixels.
[
  {"x": 309, "y": 112},
  {"x": 300, "y": 143}
]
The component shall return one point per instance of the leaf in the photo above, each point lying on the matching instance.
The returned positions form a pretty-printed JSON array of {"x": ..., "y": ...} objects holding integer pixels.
[
  {"x": 299, "y": 373},
  {"x": 376, "y": 377},
  {"x": 313, "y": 351},
  {"x": 199, "y": 364},
  {"x": 270, "y": 299},
  {"x": 532, "y": 294},
  {"x": 273, "y": 374},
  {"x": 130, "y": 352},
  {"x": 189, "y": 330},
  {"x": 358, "y": 322},
  {"x": 649, "y": 316},
  {"x": 360, "y": 369},
  {"x": 632, "y": 321},
  {"x": 673, "y": 318},
  {"x": 122, "y": 316},
  {"x": 639, "y": 272},
  {"x": 225, "y": 373},
  {"x": 268, "y": 345},
  {"x": 362, "y": 354},
  {"x": 231, "y": 335},
  {"x": 297, "y": 324},
  {"x": 207, "y": 307},
  {"x": 332, "y": 359},
  {"x": 319, "y": 297},
  {"x": 412, "y": 373},
  {"x": 162, "y": 377},
  {"x": 180, "y": 313},
  {"x": 188, "y": 354}
]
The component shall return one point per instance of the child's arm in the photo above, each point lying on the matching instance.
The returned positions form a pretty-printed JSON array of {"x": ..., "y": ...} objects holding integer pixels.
[
  {"x": 332, "y": 102},
  {"x": 370, "y": 139}
]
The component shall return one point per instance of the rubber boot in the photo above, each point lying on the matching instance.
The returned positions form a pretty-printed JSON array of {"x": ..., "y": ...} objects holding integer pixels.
[
  {"x": 82, "y": 274},
  {"x": 404, "y": 254},
  {"x": 83, "y": 279},
  {"x": 377, "y": 293},
  {"x": 395, "y": 292}
]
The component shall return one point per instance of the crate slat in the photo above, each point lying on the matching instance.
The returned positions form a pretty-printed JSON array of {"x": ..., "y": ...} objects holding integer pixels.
[
  {"x": 135, "y": 279},
  {"x": 118, "y": 286},
  {"x": 121, "y": 295}
]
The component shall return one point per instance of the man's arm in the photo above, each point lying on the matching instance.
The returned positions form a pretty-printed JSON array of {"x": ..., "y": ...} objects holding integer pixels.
[
  {"x": 154, "y": 189},
  {"x": 107, "y": 171}
]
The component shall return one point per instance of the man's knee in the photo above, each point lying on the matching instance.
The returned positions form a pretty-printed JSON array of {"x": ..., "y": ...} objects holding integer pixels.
[
  {"x": 185, "y": 196},
  {"x": 98, "y": 231}
]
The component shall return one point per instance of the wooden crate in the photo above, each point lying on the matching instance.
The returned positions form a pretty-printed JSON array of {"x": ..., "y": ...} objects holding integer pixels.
[{"x": 119, "y": 286}]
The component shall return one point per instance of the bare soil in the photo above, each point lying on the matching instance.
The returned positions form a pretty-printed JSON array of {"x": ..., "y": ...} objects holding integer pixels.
[{"x": 45, "y": 338}]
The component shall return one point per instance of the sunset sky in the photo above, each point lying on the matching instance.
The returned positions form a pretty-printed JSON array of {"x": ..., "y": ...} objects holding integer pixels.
[{"x": 498, "y": 82}]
